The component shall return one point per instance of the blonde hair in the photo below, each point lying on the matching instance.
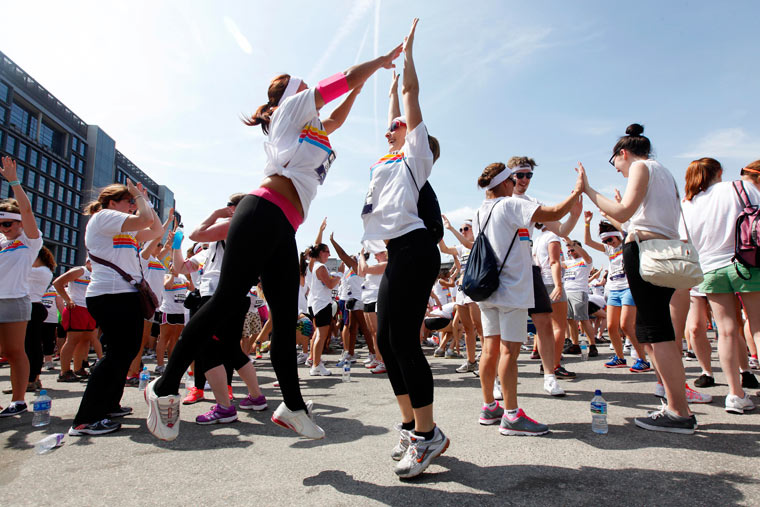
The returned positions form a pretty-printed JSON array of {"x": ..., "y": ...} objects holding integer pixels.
[
  {"x": 518, "y": 161},
  {"x": 9, "y": 206}
]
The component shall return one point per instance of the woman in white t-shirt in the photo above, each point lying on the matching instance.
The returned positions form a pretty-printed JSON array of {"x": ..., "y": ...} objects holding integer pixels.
[
  {"x": 299, "y": 156},
  {"x": 120, "y": 219},
  {"x": 505, "y": 221},
  {"x": 52, "y": 302},
  {"x": 39, "y": 280},
  {"x": 372, "y": 275},
  {"x": 650, "y": 202},
  {"x": 320, "y": 302},
  {"x": 20, "y": 241},
  {"x": 710, "y": 210},
  {"x": 172, "y": 312}
]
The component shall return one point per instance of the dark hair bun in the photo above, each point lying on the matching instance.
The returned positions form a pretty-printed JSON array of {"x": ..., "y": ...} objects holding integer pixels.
[{"x": 634, "y": 130}]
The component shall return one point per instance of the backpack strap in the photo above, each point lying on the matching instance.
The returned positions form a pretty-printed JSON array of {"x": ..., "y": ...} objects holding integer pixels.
[
  {"x": 741, "y": 192},
  {"x": 510, "y": 249}
]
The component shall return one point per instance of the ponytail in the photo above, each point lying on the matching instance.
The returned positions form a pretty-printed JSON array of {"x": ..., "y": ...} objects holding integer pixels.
[{"x": 263, "y": 114}]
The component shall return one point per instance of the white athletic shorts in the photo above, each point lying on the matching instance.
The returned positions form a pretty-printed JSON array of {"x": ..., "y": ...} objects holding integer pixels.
[{"x": 511, "y": 324}]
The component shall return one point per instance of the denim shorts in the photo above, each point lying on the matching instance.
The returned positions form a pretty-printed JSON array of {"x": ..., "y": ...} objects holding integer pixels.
[{"x": 622, "y": 297}]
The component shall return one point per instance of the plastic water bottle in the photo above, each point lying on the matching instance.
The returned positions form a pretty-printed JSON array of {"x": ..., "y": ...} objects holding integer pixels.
[
  {"x": 189, "y": 382},
  {"x": 41, "y": 406},
  {"x": 144, "y": 379},
  {"x": 49, "y": 442},
  {"x": 584, "y": 350},
  {"x": 347, "y": 371},
  {"x": 598, "y": 413}
]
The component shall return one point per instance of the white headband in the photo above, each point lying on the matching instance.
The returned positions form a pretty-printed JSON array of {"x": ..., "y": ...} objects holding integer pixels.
[
  {"x": 523, "y": 167},
  {"x": 10, "y": 216},
  {"x": 499, "y": 179},
  {"x": 606, "y": 235},
  {"x": 291, "y": 89}
]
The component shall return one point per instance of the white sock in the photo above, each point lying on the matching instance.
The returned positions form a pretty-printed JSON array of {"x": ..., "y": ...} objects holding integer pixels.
[
  {"x": 492, "y": 405},
  {"x": 18, "y": 402},
  {"x": 548, "y": 376},
  {"x": 512, "y": 413}
]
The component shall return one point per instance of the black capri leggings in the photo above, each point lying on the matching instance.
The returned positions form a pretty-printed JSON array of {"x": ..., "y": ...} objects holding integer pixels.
[
  {"x": 260, "y": 243},
  {"x": 413, "y": 265},
  {"x": 33, "y": 340},
  {"x": 199, "y": 375},
  {"x": 653, "y": 321}
]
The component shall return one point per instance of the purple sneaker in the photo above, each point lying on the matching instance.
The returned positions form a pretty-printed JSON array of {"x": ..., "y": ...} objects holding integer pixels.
[
  {"x": 218, "y": 414},
  {"x": 251, "y": 403}
]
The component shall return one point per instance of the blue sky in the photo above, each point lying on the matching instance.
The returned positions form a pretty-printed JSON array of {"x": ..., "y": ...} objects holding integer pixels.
[{"x": 557, "y": 81}]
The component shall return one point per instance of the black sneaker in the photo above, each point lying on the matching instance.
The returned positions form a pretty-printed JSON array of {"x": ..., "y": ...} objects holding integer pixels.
[
  {"x": 704, "y": 380},
  {"x": 749, "y": 380},
  {"x": 13, "y": 409},
  {"x": 69, "y": 376},
  {"x": 96, "y": 428},
  {"x": 561, "y": 372},
  {"x": 665, "y": 420},
  {"x": 120, "y": 412},
  {"x": 689, "y": 355},
  {"x": 132, "y": 381},
  {"x": 572, "y": 349},
  {"x": 592, "y": 352}
]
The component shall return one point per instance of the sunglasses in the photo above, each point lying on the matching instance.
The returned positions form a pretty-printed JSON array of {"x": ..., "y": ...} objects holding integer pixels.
[
  {"x": 395, "y": 124},
  {"x": 464, "y": 229},
  {"x": 7, "y": 224},
  {"x": 523, "y": 175},
  {"x": 230, "y": 203},
  {"x": 612, "y": 158},
  {"x": 607, "y": 241}
]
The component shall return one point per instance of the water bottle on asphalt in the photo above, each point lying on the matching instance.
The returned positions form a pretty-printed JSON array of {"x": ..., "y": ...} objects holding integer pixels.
[
  {"x": 144, "y": 379},
  {"x": 48, "y": 443},
  {"x": 584, "y": 350},
  {"x": 189, "y": 382},
  {"x": 347, "y": 371},
  {"x": 598, "y": 413},
  {"x": 41, "y": 406}
]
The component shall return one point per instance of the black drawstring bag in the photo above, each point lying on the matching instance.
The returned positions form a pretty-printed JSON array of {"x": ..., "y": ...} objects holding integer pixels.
[
  {"x": 481, "y": 276},
  {"x": 428, "y": 208}
]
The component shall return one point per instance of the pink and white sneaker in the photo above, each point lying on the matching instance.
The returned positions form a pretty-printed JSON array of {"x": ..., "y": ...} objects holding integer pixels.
[{"x": 693, "y": 396}]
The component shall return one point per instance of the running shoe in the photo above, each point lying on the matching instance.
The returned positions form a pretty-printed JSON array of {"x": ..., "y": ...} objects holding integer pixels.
[
  {"x": 370, "y": 358},
  {"x": 403, "y": 443},
  {"x": 430, "y": 342},
  {"x": 97, "y": 428},
  {"x": 572, "y": 349},
  {"x": 704, "y": 380},
  {"x": 49, "y": 366},
  {"x": 749, "y": 380},
  {"x": 194, "y": 395},
  {"x": 250, "y": 403},
  {"x": 119, "y": 412},
  {"x": 13, "y": 409},
  {"x": 521, "y": 425},
  {"x": 551, "y": 386},
  {"x": 129, "y": 382},
  {"x": 150, "y": 354},
  {"x": 490, "y": 416},
  {"x": 535, "y": 354},
  {"x": 450, "y": 354},
  {"x": 301, "y": 358},
  {"x": 372, "y": 364},
  {"x": 438, "y": 352},
  {"x": 320, "y": 370},
  {"x": 159, "y": 370},
  {"x": 616, "y": 362},
  {"x": 309, "y": 362},
  {"x": 601, "y": 339},
  {"x": 380, "y": 368},
  {"x": 67, "y": 376},
  {"x": 351, "y": 358},
  {"x": 592, "y": 351},
  {"x": 754, "y": 363},
  {"x": 467, "y": 367},
  {"x": 218, "y": 415},
  {"x": 420, "y": 453},
  {"x": 300, "y": 421},
  {"x": 163, "y": 413},
  {"x": 497, "y": 395},
  {"x": 665, "y": 420},
  {"x": 640, "y": 366},
  {"x": 693, "y": 396},
  {"x": 342, "y": 360},
  {"x": 737, "y": 405},
  {"x": 82, "y": 374},
  {"x": 690, "y": 355},
  {"x": 561, "y": 372},
  {"x": 659, "y": 390},
  {"x": 229, "y": 393}
]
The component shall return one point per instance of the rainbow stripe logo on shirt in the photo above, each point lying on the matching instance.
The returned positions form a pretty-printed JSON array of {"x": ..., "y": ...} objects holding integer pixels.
[
  {"x": 156, "y": 266},
  {"x": 386, "y": 159},
  {"x": 82, "y": 281},
  {"x": 616, "y": 254},
  {"x": 578, "y": 264},
  {"x": 16, "y": 245},
  {"x": 179, "y": 286},
  {"x": 124, "y": 241},
  {"x": 316, "y": 137},
  {"x": 49, "y": 294},
  {"x": 523, "y": 234}
]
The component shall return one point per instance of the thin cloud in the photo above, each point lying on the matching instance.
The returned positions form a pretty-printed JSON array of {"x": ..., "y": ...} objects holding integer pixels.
[
  {"x": 725, "y": 143},
  {"x": 240, "y": 39}
]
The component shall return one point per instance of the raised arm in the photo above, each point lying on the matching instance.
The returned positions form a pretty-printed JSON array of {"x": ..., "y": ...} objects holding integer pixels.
[
  {"x": 464, "y": 241},
  {"x": 587, "y": 216},
  {"x": 586, "y": 257},
  {"x": 321, "y": 231},
  {"x": 638, "y": 180},
  {"x": 28, "y": 222},
  {"x": 326, "y": 278},
  {"x": 347, "y": 259},
  {"x": 144, "y": 217},
  {"x": 575, "y": 212},
  {"x": 394, "y": 109},
  {"x": 410, "y": 86},
  {"x": 214, "y": 228},
  {"x": 552, "y": 213},
  {"x": 339, "y": 115}
]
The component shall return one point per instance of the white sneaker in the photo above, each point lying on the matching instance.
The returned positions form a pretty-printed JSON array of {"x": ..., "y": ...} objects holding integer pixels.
[
  {"x": 319, "y": 370},
  {"x": 753, "y": 363},
  {"x": 737, "y": 405},
  {"x": 420, "y": 453},
  {"x": 551, "y": 386},
  {"x": 372, "y": 364},
  {"x": 659, "y": 390},
  {"x": 380, "y": 368},
  {"x": 351, "y": 358},
  {"x": 403, "y": 444},
  {"x": 163, "y": 413},
  {"x": 301, "y": 358},
  {"x": 309, "y": 362},
  {"x": 497, "y": 391},
  {"x": 300, "y": 421},
  {"x": 369, "y": 359}
]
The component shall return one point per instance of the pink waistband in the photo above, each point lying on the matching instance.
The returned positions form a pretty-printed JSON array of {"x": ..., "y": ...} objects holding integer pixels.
[{"x": 279, "y": 200}]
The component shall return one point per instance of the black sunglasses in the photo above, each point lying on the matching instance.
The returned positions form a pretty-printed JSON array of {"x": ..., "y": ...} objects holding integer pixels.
[
  {"x": 395, "y": 124},
  {"x": 612, "y": 158},
  {"x": 463, "y": 229},
  {"x": 230, "y": 203},
  {"x": 7, "y": 224},
  {"x": 607, "y": 241},
  {"x": 523, "y": 175}
]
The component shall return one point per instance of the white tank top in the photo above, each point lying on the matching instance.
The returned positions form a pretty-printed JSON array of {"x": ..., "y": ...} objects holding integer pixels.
[
  {"x": 319, "y": 294},
  {"x": 659, "y": 211},
  {"x": 77, "y": 289}
]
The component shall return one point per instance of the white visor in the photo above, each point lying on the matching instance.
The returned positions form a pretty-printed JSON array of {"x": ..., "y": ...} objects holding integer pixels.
[
  {"x": 291, "y": 89},
  {"x": 4, "y": 215}
]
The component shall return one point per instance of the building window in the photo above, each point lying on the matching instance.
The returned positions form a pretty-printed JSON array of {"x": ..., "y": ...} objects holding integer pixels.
[
  {"x": 61, "y": 190},
  {"x": 68, "y": 197},
  {"x": 51, "y": 138},
  {"x": 81, "y": 166},
  {"x": 76, "y": 201},
  {"x": 41, "y": 183},
  {"x": 53, "y": 169},
  {"x": 24, "y": 120},
  {"x": 47, "y": 229},
  {"x": 4, "y": 92},
  {"x": 62, "y": 175},
  {"x": 44, "y": 164},
  {"x": 33, "y": 157},
  {"x": 20, "y": 172},
  {"x": 66, "y": 215},
  {"x": 71, "y": 179},
  {"x": 74, "y": 237},
  {"x": 79, "y": 184},
  {"x": 39, "y": 205},
  {"x": 57, "y": 233},
  {"x": 4, "y": 189},
  {"x": 21, "y": 152},
  {"x": 58, "y": 212},
  {"x": 10, "y": 145},
  {"x": 51, "y": 189},
  {"x": 73, "y": 160},
  {"x": 72, "y": 256},
  {"x": 82, "y": 148},
  {"x": 75, "y": 221},
  {"x": 65, "y": 237},
  {"x": 50, "y": 209},
  {"x": 30, "y": 179}
]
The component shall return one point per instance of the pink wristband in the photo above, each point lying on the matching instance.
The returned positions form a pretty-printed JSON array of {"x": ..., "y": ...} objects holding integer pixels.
[{"x": 333, "y": 87}]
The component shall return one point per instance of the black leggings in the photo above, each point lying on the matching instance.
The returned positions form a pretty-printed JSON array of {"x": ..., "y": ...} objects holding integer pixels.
[
  {"x": 413, "y": 265},
  {"x": 199, "y": 375},
  {"x": 33, "y": 340},
  {"x": 48, "y": 337},
  {"x": 260, "y": 242},
  {"x": 120, "y": 318}
]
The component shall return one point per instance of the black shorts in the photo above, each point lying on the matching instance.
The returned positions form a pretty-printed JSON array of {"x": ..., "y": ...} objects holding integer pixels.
[
  {"x": 60, "y": 332},
  {"x": 370, "y": 307},
  {"x": 354, "y": 305},
  {"x": 542, "y": 302},
  {"x": 592, "y": 309},
  {"x": 323, "y": 316},
  {"x": 653, "y": 322},
  {"x": 436, "y": 323},
  {"x": 173, "y": 318}
]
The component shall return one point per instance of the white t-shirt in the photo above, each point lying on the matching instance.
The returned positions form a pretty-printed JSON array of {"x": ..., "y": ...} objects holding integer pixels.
[
  {"x": 256, "y": 301},
  {"x": 211, "y": 259},
  {"x": 16, "y": 259},
  {"x": 509, "y": 215},
  {"x": 616, "y": 279},
  {"x": 303, "y": 306},
  {"x": 39, "y": 280},
  {"x": 199, "y": 259},
  {"x": 48, "y": 301},
  {"x": 77, "y": 289},
  {"x": 597, "y": 300},
  {"x": 442, "y": 293},
  {"x": 576, "y": 275},
  {"x": 174, "y": 296},
  {"x": 711, "y": 219},
  {"x": 298, "y": 140},
  {"x": 155, "y": 273},
  {"x": 103, "y": 238},
  {"x": 531, "y": 226},
  {"x": 390, "y": 208},
  {"x": 463, "y": 254},
  {"x": 319, "y": 294},
  {"x": 659, "y": 211},
  {"x": 446, "y": 311},
  {"x": 541, "y": 254},
  {"x": 370, "y": 287},
  {"x": 354, "y": 285}
]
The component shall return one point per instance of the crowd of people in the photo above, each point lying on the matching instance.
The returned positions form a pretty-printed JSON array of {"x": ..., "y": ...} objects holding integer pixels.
[{"x": 232, "y": 295}]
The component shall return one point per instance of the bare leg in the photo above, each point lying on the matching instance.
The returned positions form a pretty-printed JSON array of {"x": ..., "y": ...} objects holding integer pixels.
[
  {"x": 12, "y": 336},
  {"x": 510, "y": 351},
  {"x": 489, "y": 363},
  {"x": 724, "y": 310},
  {"x": 696, "y": 324},
  {"x": 545, "y": 339}
]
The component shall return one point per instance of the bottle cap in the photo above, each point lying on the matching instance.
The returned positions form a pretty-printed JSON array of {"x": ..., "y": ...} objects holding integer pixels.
[
  {"x": 598, "y": 392},
  {"x": 43, "y": 392}
]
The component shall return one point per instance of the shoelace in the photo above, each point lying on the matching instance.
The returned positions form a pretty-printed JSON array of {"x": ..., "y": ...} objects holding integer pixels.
[{"x": 169, "y": 414}]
